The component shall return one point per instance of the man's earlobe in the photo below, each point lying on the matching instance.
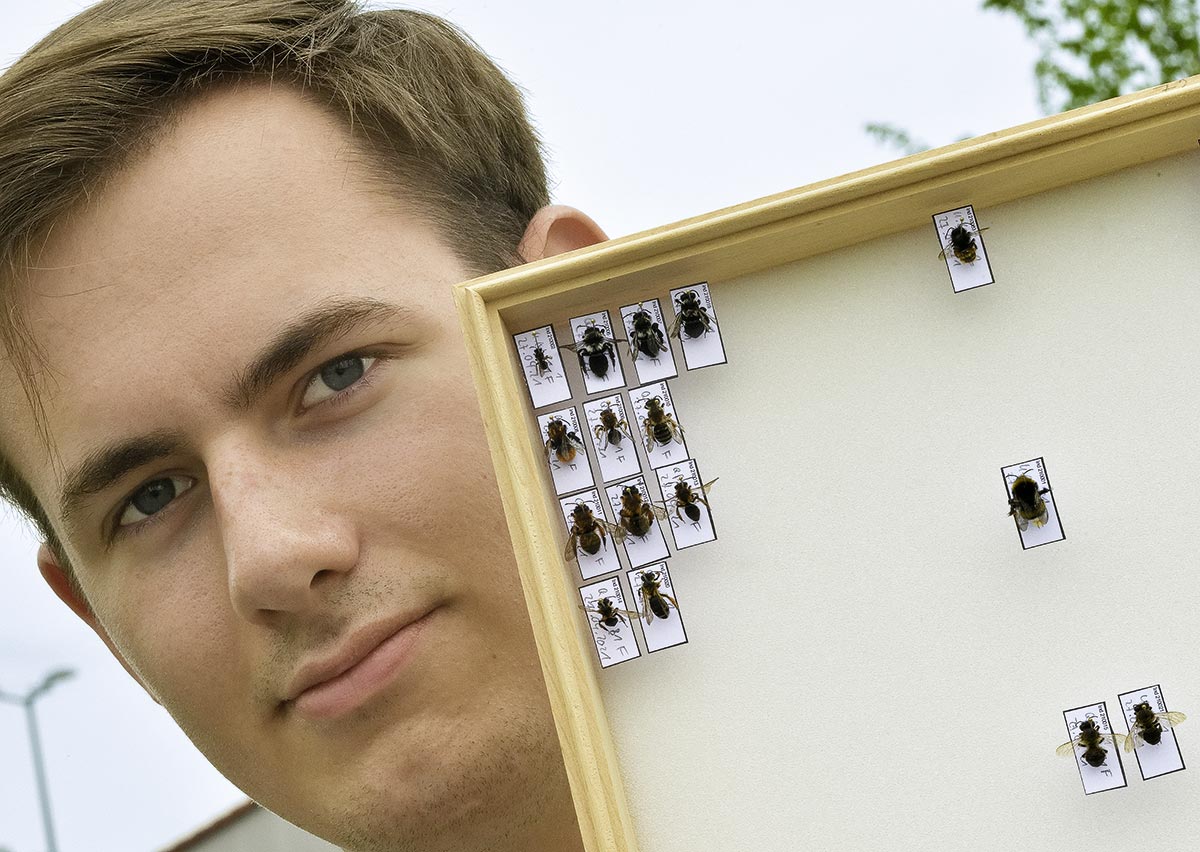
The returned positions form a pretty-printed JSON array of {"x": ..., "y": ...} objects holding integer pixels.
[{"x": 557, "y": 229}]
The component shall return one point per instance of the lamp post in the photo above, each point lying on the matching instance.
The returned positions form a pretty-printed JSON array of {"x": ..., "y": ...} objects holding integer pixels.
[{"x": 26, "y": 701}]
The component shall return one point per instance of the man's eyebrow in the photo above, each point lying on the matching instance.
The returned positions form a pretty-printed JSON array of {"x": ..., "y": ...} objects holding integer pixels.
[{"x": 321, "y": 325}]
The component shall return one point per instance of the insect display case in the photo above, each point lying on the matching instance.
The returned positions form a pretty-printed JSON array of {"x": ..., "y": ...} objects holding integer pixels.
[{"x": 878, "y": 656}]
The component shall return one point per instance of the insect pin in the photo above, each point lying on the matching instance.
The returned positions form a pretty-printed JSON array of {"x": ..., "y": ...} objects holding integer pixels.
[
  {"x": 596, "y": 350},
  {"x": 962, "y": 243},
  {"x": 611, "y": 428},
  {"x": 637, "y": 516},
  {"x": 1091, "y": 740},
  {"x": 654, "y": 600},
  {"x": 646, "y": 337},
  {"x": 1026, "y": 503},
  {"x": 589, "y": 533},
  {"x": 692, "y": 318},
  {"x": 660, "y": 426},
  {"x": 1147, "y": 728},
  {"x": 560, "y": 441}
]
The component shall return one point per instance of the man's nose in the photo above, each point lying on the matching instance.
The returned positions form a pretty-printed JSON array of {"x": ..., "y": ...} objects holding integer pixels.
[{"x": 284, "y": 545}]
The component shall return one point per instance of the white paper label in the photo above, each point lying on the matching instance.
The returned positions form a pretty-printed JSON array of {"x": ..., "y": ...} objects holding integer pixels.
[
  {"x": 1033, "y": 535},
  {"x": 600, "y": 363},
  {"x": 662, "y": 364},
  {"x": 964, "y": 274},
  {"x": 1164, "y": 757},
  {"x": 658, "y": 632},
  {"x": 573, "y": 475},
  {"x": 1110, "y": 774},
  {"x": 701, "y": 337},
  {"x": 616, "y": 453},
  {"x": 541, "y": 362},
  {"x": 604, "y": 560},
  {"x": 685, "y": 531},
  {"x": 639, "y": 549},
  {"x": 657, "y": 453},
  {"x": 614, "y": 644}
]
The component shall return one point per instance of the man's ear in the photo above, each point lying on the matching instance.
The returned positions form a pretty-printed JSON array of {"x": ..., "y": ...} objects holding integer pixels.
[
  {"x": 56, "y": 578},
  {"x": 556, "y": 229}
]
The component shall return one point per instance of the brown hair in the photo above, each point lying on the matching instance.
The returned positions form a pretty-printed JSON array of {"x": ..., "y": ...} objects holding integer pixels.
[{"x": 433, "y": 114}]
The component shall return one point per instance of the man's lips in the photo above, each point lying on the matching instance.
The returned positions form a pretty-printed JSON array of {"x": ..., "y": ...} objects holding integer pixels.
[{"x": 360, "y": 667}]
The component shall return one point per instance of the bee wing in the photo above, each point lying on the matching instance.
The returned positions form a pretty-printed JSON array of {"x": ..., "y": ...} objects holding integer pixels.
[
  {"x": 1118, "y": 739},
  {"x": 1170, "y": 719},
  {"x": 708, "y": 484},
  {"x": 659, "y": 511},
  {"x": 574, "y": 441},
  {"x": 647, "y": 613},
  {"x": 1134, "y": 739},
  {"x": 574, "y": 347},
  {"x": 569, "y": 552},
  {"x": 615, "y": 530},
  {"x": 1067, "y": 747},
  {"x": 673, "y": 327}
]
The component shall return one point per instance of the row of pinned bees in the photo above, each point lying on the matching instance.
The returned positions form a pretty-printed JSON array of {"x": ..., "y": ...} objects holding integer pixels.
[
  {"x": 1147, "y": 729},
  {"x": 597, "y": 351}
]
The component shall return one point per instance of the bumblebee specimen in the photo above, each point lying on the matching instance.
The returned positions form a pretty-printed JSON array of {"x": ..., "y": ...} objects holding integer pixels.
[
  {"x": 611, "y": 429},
  {"x": 561, "y": 441},
  {"x": 659, "y": 425},
  {"x": 596, "y": 351},
  {"x": 541, "y": 361},
  {"x": 962, "y": 243},
  {"x": 589, "y": 533},
  {"x": 687, "y": 499},
  {"x": 692, "y": 316},
  {"x": 1026, "y": 503},
  {"x": 608, "y": 615},
  {"x": 654, "y": 601},
  {"x": 637, "y": 516},
  {"x": 1148, "y": 726},
  {"x": 646, "y": 337},
  {"x": 1091, "y": 740}
]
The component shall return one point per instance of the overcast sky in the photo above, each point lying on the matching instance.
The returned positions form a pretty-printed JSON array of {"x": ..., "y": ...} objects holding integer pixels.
[{"x": 652, "y": 112}]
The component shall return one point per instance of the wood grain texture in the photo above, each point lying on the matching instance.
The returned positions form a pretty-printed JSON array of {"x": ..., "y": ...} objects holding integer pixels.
[{"x": 725, "y": 244}]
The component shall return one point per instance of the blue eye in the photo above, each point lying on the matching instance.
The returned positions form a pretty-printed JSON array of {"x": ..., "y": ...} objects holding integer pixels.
[{"x": 344, "y": 375}]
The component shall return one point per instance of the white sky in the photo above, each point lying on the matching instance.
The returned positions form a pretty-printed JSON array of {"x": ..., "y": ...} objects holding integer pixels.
[{"x": 653, "y": 111}]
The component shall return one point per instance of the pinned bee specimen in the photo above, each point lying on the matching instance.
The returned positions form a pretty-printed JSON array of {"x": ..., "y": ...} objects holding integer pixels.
[
  {"x": 610, "y": 623},
  {"x": 1091, "y": 740},
  {"x": 540, "y": 366},
  {"x": 608, "y": 615},
  {"x": 541, "y": 361},
  {"x": 654, "y": 600},
  {"x": 589, "y": 533},
  {"x": 562, "y": 443},
  {"x": 660, "y": 426},
  {"x": 596, "y": 350},
  {"x": 1026, "y": 503},
  {"x": 687, "y": 500},
  {"x": 637, "y": 516},
  {"x": 692, "y": 318},
  {"x": 1147, "y": 727},
  {"x": 646, "y": 337},
  {"x": 611, "y": 429},
  {"x": 962, "y": 244}
]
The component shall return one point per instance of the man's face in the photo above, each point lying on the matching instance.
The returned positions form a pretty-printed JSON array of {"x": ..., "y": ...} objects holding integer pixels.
[{"x": 275, "y": 537}]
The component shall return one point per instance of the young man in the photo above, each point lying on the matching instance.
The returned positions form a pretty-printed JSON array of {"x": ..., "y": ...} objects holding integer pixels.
[{"x": 235, "y": 402}]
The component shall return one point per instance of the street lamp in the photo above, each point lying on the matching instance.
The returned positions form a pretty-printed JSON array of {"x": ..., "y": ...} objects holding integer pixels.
[{"x": 26, "y": 701}]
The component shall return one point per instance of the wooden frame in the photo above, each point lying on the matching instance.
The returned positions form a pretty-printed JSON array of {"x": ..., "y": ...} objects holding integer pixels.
[{"x": 893, "y": 197}]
